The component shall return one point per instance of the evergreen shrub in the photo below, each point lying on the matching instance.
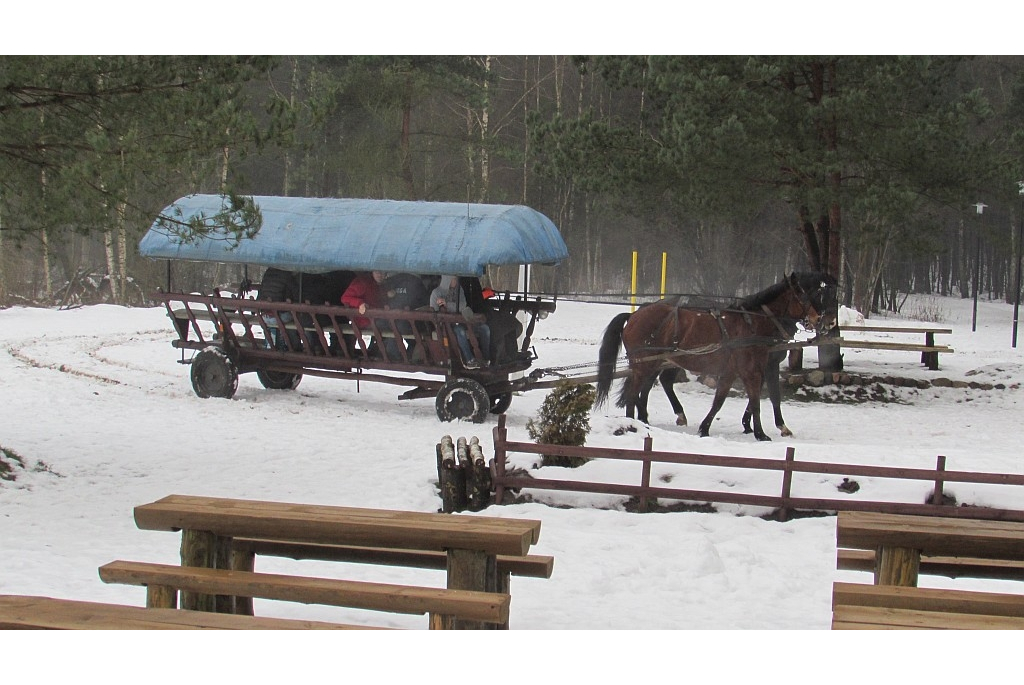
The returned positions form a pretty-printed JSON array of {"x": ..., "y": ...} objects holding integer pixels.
[{"x": 564, "y": 419}]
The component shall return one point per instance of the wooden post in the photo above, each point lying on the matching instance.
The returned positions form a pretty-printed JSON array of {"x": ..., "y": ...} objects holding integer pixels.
[
  {"x": 224, "y": 604},
  {"x": 500, "y": 436},
  {"x": 940, "y": 466},
  {"x": 469, "y": 570},
  {"x": 243, "y": 560},
  {"x": 478, "y": 477},
  {"x": 645, "y": 477},
  {"x": 161, "y": 597},
  {"x": 452, "y": 478},
  {"x": 787, "y": 483},
  {"x": 198, "y": 548},
  {"x": 897, "y": 566}
]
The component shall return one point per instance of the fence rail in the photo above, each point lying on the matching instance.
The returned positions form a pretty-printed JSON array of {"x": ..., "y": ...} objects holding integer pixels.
[{"x": 784, "y": 504}]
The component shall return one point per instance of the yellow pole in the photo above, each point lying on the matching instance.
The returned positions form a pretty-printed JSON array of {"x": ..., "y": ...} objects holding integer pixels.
[
  {"x": 664, "y": 263},
  {"x": 632, "y": 298}
]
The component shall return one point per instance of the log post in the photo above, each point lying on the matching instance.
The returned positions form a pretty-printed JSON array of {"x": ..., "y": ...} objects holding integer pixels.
[
  {"x": 478, "y": 477},
  {"x": 452, "y": 478},
  {"x": 243, "y": 560},
  {"x": 500, "y": 435},
  {"x": 161, "y": 597},
  {"x": 469, "y": 570},
  {"x": 198, "y": 548},
  {"x": 897, "y": 566}
]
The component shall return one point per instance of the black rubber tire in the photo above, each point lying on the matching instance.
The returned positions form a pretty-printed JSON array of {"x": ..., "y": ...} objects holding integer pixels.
[
  {"x": 464, "y": 399},
  {"x": 214, "y": 374},
  {"x": 278, "y": 380},
  {"x": 500, "y": 403}
]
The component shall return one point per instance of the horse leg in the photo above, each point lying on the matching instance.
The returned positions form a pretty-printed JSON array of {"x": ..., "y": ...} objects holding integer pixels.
[
  {"x": 753, "y": 386},
  {"x": 668, "y": 378},
  {"x": 642, "y": 397},
  {"x": 721, "y": 392},
  {"x": 775, "y": 392}
]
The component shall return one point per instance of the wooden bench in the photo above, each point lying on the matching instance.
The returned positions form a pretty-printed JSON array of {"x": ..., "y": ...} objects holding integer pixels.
[
  {"x": 872, "y": 607},
  {"x": 48, "y": 613},
  {"x": 479, "y": 553},
  {"x": 899, "y": 547},
  {"x": 900, "y": 541},
  {"x": 929, "y": 350},
  {"x": 443, "y": 605}
]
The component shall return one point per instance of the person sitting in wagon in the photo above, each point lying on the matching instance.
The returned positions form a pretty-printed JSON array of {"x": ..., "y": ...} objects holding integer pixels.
[
  {"x": 448, "y": 296},
  {"x": 279, "y": 285},
  {"x": 365, "y": 292}
]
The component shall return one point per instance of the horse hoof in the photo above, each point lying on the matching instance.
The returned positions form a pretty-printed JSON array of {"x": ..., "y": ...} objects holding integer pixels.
[
  {"x": 680, "y": 420},
  {"x": 786, "y": 433},
  {"x": 704, "y": 434},
  {"x": 763, "y": 438},
  {"x": 747, "y": 430}
]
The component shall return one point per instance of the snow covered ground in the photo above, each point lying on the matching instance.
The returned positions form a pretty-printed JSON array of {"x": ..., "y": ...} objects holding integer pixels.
[{"x": 96, "y": 404}]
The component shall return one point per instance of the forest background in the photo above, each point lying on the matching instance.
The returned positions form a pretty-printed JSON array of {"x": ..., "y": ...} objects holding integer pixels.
[{"x": 737, "y": 168}]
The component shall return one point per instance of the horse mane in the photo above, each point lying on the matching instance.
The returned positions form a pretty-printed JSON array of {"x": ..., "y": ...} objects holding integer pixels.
[
  {"x": 754, "y": 302},
  {"x": 807, "y": 281}
]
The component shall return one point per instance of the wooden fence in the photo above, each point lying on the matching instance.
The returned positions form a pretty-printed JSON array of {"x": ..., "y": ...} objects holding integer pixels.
[{"x": 783, "y": 505}]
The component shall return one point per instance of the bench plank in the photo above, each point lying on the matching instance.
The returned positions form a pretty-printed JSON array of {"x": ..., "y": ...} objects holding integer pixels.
[
  {"x": 339, "y": 525},
  {"x": 892, "y": 346},
  {"x": 530, "y": 566},
  {"x": 931, "y": 535},
  {"x": 896, "y": 329},
  {"x": 27, "y": 612},
  {"x": 471, "y": 605},
  {"x": 948, "y": 566},
  {"x": 928, "y": 599},
  {"x": 884, "y": 618}
]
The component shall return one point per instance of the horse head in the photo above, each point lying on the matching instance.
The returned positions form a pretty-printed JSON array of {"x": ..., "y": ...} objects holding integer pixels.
[{"x": 818, "y": 296}]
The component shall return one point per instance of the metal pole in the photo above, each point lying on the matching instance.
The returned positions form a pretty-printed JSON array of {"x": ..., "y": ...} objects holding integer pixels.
[
  {"x": 1020, "y": 250},
  {"x": 980, "y": 206},
  {"x": 632, "y": 298},
  {"x": 664, "y": 265}
]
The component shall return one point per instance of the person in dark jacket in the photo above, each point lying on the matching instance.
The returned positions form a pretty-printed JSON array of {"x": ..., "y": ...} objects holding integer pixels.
[
  {"x": 406, "y": 292},
  {"x": 279, "y": 285}
]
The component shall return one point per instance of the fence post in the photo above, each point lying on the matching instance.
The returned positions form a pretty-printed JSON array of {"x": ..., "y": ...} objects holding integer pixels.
[
  {"x": 645, "y": 478},
  {"x": 787, "y": 483},
  {"x": 940, "y": 466},
  {"x": 500, "y": 435}
]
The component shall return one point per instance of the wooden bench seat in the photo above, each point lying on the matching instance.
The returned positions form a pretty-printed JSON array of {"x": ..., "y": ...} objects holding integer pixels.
[
  {"x": 891, "y": 606},
  {"x": 529, "y": 566},
  {"x": 947, "y": 566},
  {"x": 489, "y": 607},
  {"x": 48, "y": 613}
]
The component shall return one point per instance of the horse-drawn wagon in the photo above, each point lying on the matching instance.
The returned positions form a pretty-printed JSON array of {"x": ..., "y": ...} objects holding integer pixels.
[{"x": 328, "y": 240}]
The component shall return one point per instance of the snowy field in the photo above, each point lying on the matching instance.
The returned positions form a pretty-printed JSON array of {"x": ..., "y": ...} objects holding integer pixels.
[{"x": 105, "y": 419}]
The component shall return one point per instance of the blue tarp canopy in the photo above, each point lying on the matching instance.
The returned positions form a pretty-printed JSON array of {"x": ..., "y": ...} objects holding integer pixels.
[{"x": 326, "y": 234}]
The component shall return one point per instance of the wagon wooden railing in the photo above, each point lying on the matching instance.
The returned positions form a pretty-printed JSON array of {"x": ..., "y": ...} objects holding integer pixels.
[{"x": 784, "y": 504}]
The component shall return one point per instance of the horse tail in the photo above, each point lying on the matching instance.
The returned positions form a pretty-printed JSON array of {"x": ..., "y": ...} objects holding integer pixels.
[{"x": 608, "y": 355}]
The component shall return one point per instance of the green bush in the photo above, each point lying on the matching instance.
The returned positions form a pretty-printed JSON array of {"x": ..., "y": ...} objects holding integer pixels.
[{"x": 564, "y": 419}]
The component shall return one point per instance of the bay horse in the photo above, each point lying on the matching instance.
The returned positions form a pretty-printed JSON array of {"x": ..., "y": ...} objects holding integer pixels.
[{"x": 662, "y": 337}]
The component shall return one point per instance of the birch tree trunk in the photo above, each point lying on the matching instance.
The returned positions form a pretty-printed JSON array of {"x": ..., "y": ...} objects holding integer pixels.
[
  {"x": 3, "y": 283},
  {"x": 109, "y": 251},
  {"x": 485, "y": 118}
]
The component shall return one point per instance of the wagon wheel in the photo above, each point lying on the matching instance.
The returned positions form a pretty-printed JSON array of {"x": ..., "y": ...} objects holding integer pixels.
[
  {"x": 462, "y": 398},
  {"x": 500, "y": 403},
  {"x": 278, "y": 380},
  {"x": 214, "y": 374}
]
